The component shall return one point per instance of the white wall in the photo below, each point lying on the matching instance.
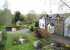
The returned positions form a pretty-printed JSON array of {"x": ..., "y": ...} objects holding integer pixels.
[
  {"x": 50, "y": 28},
  {"x": 42, "y": 23}
]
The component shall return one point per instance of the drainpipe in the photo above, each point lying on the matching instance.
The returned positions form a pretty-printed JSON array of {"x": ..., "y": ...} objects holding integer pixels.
[
  {"x": 63, "y": 25},
  {"x": 46, "y": 21}
]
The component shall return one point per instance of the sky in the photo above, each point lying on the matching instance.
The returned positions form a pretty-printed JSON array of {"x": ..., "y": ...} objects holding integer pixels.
[{"x": 24, "y": 6}]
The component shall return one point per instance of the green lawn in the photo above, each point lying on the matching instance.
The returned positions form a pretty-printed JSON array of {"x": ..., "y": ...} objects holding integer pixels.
[{"x": 26, "y": 46}]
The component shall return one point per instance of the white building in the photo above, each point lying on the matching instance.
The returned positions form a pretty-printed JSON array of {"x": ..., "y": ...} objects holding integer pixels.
[
  {"x": 44, "y": 23},
  {"x": 61, "y": 24},
  {"x": 50, "y": 28}
]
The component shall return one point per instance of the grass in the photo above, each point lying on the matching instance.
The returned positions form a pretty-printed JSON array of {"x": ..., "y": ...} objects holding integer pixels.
[{"x": 26, "y": 46}]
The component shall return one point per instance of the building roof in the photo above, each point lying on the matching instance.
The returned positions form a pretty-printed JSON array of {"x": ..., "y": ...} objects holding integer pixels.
[{"x": 53, "y": 16}]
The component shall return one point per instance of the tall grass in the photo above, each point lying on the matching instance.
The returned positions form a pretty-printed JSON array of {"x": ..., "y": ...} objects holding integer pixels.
[{"x": 26, "y": 46}]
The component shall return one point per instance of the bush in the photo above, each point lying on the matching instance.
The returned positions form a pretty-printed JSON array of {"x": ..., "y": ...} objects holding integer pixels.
[
  {"x": 32, "y": 29},
  {"x": 3, "y": 41},
  {"x": 1, "y": 27},
  {"x": 36, "y": 24}
]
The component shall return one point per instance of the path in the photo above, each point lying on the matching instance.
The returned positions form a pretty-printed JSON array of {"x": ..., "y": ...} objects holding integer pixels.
[
  {"x": 25, "y": 30},
  {"x": 61, "y": 39}
]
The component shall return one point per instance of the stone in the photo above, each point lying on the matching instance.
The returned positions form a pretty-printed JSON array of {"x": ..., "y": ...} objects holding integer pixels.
[
  {"x": 21, "y": 40},
  {"x": 13, "y": 29},
  {"x": 37, "y": 44}
]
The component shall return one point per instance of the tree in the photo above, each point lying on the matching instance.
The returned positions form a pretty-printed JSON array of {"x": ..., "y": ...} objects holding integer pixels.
[
  {"x": 5, "y": 17},
  {"x": 37, "y": 24},
  {"x": 31, "y": 17},
  {"x": 17, "y": 16},
  {"x": 18, "y": 19}
]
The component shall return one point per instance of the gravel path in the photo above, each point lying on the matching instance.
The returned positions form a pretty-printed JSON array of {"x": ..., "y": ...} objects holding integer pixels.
[{"x": 25, "y": 30}]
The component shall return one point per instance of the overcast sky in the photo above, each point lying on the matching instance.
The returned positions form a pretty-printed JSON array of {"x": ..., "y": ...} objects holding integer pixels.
[{"x": 24, "y": 6}]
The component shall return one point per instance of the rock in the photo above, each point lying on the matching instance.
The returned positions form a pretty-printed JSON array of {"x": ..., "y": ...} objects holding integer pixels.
[
  {"x": 37, "y": 44},
  {"x": 13, "y": 29},
  {"x": 21, "y": 40}
]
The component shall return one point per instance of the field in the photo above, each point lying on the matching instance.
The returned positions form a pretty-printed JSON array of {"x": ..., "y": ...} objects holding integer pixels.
[{"x": 26, "y": 46}]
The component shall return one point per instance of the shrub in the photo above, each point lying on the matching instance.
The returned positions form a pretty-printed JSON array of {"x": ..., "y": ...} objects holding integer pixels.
[
  {"x": 3, "y": 41},
  {"x": 32, "y": 29}
]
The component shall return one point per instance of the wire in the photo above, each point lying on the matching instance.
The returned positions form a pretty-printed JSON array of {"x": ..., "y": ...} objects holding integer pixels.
[{"x": 65, "y": 3}]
